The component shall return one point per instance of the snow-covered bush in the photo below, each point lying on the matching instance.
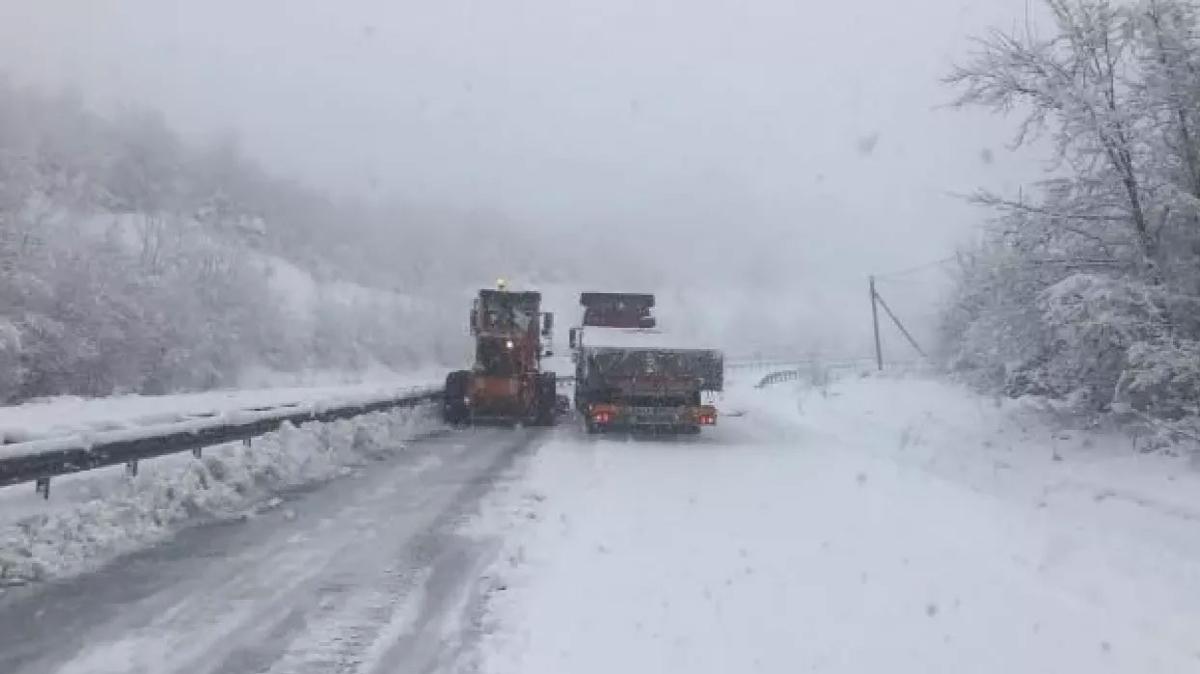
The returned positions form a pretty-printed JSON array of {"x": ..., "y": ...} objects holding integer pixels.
[
  {"x": 992, "y": 334},
  {"x": 1162, "y": 379},
  {"x": 1094, "y": 321}
]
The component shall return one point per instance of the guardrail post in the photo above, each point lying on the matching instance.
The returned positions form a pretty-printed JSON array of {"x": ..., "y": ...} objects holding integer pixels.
[
  {"x": 42, "y": 486},
  {"x": 131, "y": 468}
]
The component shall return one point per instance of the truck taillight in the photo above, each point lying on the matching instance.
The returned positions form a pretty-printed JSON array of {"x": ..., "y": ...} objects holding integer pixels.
[{"x": 602, "y": 413}]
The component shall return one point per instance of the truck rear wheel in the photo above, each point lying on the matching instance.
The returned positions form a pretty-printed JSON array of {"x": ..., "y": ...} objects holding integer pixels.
[{"x": 455, "y": 408}]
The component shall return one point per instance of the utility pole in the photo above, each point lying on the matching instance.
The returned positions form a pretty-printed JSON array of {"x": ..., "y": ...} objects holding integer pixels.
[
  {"x": 875, "y": 323},
  {"x": 903, "y": 330}
]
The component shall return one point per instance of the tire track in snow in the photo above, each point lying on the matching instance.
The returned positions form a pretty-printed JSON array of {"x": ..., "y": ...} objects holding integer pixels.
[
  {"x": 360, "y": 572},
  {"x": 398, "y": 623}
]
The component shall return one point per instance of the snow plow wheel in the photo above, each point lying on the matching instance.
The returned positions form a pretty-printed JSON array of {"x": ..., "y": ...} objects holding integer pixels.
[
  {"x": 455, "y": 409},
  {"x": 546, "y": 399}
]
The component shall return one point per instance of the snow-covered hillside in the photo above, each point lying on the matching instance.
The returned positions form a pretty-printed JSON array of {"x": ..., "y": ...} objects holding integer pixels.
[{"x": 131, "y": 262}]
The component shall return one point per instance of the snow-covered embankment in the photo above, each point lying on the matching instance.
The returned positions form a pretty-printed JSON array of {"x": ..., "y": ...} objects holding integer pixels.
[{"x": 96, "y": 516}]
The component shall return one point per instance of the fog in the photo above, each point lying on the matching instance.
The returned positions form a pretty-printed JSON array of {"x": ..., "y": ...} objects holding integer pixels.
[{"x": 773, "y": 153}]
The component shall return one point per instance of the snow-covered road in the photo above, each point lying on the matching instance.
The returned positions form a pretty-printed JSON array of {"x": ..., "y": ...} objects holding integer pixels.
[
  {"x": 354, "y": 575},
  {"x": 898, "y": 525},
  {"x": 890, "y": 526}
]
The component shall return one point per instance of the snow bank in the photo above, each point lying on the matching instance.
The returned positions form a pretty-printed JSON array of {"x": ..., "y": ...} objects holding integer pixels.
[
  {"x": 874, "y": 524},
  {"x": 68, "y": 415},
  {"x": 232, "y": 480},
  {"x": 371, "y": 373},
  {"x": 1020, "y": 449}
]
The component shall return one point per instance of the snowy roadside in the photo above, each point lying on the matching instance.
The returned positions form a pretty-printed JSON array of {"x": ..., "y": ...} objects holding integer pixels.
[
  {"x": 70, "y": 415},
  {"x": 1008, "y": 448},
  {"x": 97, "y": 516},
  {"x": 878, "y": 525}
]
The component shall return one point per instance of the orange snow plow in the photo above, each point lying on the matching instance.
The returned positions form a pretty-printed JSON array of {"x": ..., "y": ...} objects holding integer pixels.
[{"x": 506, "y": 383}]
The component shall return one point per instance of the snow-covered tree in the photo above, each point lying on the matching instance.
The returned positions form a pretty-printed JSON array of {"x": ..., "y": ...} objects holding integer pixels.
[
  {"x": 130, "y": 262},
  {"x": 1087, "y": 286}
]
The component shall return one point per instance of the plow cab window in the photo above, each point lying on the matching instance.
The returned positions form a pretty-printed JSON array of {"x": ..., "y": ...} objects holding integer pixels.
[
  {"x": 497, "y": 356},
  {"x": 500, "y": 316}
]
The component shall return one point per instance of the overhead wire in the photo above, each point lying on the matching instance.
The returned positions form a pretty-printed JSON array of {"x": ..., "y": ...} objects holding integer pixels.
[{"x": 919, "y": 268}]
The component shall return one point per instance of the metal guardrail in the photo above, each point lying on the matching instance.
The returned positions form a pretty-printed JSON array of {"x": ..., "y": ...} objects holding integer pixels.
[
  {"x": 40, "y": 460},
  {"x": 780, "y": 377},
  {"x": 811, "y": 369},
  {"x": 803, "y": 370},
  {"x": 769, "y": 364},
  {"x": 797, "y": 363}
]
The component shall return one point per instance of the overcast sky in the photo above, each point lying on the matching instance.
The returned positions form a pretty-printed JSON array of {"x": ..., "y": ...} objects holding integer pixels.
[{"x": 763, "y": 130}]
